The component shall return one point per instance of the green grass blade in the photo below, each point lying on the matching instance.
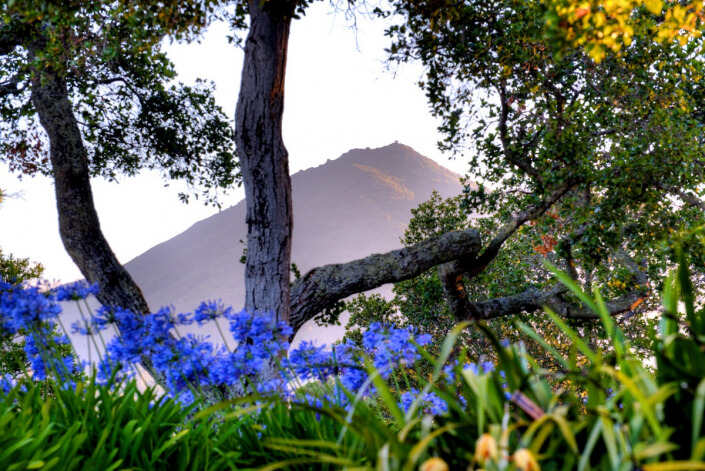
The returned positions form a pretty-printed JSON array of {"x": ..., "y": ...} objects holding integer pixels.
[
  {"x": 698, "y": 413},
  {"x": 538, "y": 339}
]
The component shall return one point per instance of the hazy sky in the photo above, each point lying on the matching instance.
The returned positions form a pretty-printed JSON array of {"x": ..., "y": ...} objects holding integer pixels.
[{"x": 339, "y": 95}]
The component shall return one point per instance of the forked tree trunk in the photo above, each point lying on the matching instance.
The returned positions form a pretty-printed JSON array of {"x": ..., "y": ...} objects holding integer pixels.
[
  {"x": 264, "y": 160},
  {"x": 78, "y": 221}
]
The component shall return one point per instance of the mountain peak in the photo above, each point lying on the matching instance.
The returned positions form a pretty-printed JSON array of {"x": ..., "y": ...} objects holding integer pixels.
[{"x": 345, "y": 209}]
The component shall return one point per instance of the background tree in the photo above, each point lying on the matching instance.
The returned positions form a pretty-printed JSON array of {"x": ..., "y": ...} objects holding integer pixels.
[
  {"x": 602, "y": 148},
  {"x": 14, "y": 272},
  {"x": 84, "y": 92},
  {"x": 17, "y": 270}
]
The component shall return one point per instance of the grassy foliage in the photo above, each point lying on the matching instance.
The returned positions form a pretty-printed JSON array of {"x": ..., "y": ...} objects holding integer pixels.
[{"x": 612, "y": 412}]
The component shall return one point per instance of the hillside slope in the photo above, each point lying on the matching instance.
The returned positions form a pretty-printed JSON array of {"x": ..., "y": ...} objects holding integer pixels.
[{"x": 344, "y": 209}]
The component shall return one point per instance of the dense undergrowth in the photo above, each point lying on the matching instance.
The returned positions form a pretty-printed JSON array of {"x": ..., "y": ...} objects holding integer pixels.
[{"x": 387, "y": 406}]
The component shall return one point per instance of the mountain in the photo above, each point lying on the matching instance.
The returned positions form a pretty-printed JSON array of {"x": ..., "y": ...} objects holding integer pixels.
[{"x": 345, "y": 209}]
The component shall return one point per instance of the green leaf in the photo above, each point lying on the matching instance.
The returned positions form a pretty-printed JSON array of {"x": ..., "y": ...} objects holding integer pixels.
[
  {"x": 584, "y": 462},
  {"x": 574, "y": 337},
  {"x": 698, "y": 413},
  {"x": 540, "y": 340},
  {"x": 675, "y": 466},
  {"x": 418, "y": 449},
  {"x": 384, "y": 392},
  {"x": 686, "y": 289},
  {"x": 642, "y": 451}
]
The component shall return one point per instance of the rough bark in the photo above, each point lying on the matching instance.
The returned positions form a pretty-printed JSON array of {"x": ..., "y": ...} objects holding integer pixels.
[
  {"x": 264, "y": 160},
  {"x": 321, "y": 287},
  {"x": 10, "y": 87},
  {"x": 78, "y": 221},
  {"x": 534, "y": 300}
]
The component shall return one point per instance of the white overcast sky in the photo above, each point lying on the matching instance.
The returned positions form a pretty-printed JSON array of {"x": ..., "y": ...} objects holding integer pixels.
[{"x": 339, "y": 95}]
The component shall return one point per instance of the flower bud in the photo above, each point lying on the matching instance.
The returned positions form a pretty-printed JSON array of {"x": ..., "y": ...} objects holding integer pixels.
[
  {"x": 434, "y": 464},
  {"x": 525, "y": 461},
  {"x": 485, "y": 448}
]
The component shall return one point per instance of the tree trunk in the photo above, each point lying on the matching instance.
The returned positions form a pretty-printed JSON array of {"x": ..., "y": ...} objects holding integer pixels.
[
  {"x": 264, "y": 160},
  {"x": 78, "y": 220}
]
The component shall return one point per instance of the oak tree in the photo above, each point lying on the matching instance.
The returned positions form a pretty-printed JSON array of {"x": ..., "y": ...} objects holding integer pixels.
[
  {"x": 84, "y": 91},
  {"x": 602, "y": 161}
]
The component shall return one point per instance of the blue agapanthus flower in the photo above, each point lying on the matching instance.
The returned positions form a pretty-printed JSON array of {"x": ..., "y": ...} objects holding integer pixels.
[
  {"x": 430, "y": 402},
  {"x": 42, "y": 347},
  {"x": 210, "y": 311},
  {"x": 7, "y": 382},
  {"x": 309, "y": 361},
  {"x": 352, "y": 375},
  {"x": 31, "y": 312},
  {"x": 75, "y": 291},
  {"x": 25, "y": 308},
  {"x": 392, "y": 347}
]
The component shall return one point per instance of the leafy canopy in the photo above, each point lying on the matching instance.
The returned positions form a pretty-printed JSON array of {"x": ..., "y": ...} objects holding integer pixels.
[
  {"x": 131, "y": 113},
  {"x": 625, "y": 135}
]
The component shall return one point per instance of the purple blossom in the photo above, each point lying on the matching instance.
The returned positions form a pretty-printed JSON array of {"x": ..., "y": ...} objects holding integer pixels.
[
  {"x": 75, "y": 291},
  {"x": 210, "y": 311},
  {"x": 430, "y": 402},
  {"x": 392, "y": 347},
  {"x": 25, "y": 308},
  {"x": 311, "y": 362}
]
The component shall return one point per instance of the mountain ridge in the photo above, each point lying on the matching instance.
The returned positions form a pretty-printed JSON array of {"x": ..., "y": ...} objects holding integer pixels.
[{"x": 344, "y": 209}]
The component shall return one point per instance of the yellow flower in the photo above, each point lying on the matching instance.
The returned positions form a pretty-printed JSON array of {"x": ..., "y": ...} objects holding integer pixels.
[
  {"x": 485, "y": 448},
  {"x": 434, "y": 464},
  {"x": 525, "y": 461}
]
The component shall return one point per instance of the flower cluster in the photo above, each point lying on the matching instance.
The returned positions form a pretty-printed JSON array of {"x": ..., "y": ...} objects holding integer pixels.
[
  {"x": 188, "y": 365},
  {"x": 387, "y": 347},
  {"x": 30, "y": 314},
  {"x": 392, "y": 347},
  {"x": 430, "y": 403},
  {"x": 191, "y": 363},
  {"x": 7, "y": 382},
  {"x": 75, "y": 291}
]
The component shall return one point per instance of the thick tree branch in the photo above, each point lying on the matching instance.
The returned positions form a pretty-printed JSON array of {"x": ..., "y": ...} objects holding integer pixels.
[
  {"x": 530, "y": 300},
  {"x": 628, "y": 262},
  {"x": 79, "y": 225},
  {"x": 570, "y": 262},
  {"x": 509, "y": 153},
  {"x": 322, "y": 287},
  {"x": 109, "y": 80},
  {"x": 477, "y": 266},
  {"x": 533, "y": 300},
  {"x": 10, "y": 87}
]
